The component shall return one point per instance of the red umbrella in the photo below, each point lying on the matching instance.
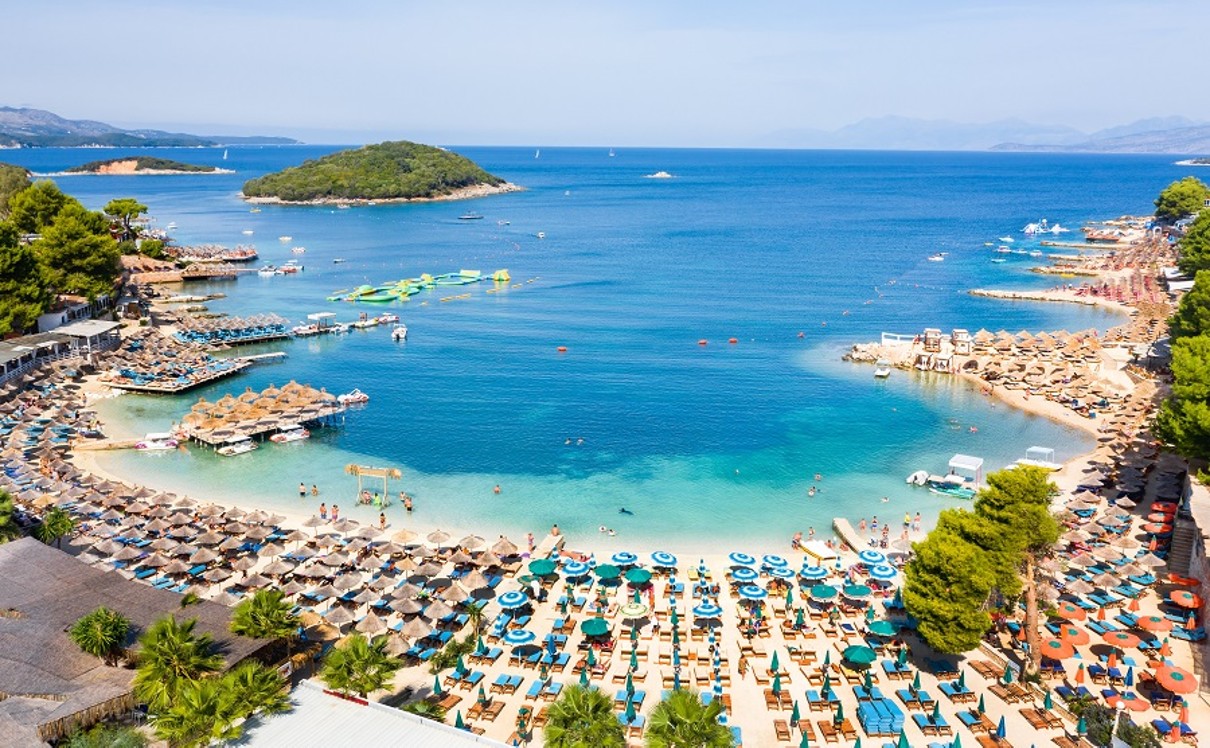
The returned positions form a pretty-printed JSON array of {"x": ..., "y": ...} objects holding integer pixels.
[
  {"x": 1057, "y": 649},
  {"x": 1113, "y": 659},
  {"x": 1175, "y": 679},
  {"x": 1121, "y": 639},
  {"x": 1157, "y": 517},
  {"x": 1070, "y": 611},
  {"x": 1134, "y": 704},
  {"x": 1159, "y": 528},
  {"x": 1074, "y": 635},
  {"x": 1185, "y": 599},
  {"x": 1155, "y": 623},
  {"x": 1164, "y": 506}
]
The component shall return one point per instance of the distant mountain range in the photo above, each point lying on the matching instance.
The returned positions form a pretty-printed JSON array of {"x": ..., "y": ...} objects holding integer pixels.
[
  {"x": 33, "y": 128},
  {"x": 1155, "y": 135}
]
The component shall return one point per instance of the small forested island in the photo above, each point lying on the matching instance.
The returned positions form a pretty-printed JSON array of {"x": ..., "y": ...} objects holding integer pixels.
[
  {"x": 395, "y": 171},
  {"x": 142, "y": 165}
]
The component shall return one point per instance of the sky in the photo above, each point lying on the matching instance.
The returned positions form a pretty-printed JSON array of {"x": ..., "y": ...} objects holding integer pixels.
[{"x": 700, "y": 73}]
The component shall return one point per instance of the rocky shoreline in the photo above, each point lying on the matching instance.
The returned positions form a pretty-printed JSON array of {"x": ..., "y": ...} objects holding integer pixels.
[{"x": 462, "y": 193}]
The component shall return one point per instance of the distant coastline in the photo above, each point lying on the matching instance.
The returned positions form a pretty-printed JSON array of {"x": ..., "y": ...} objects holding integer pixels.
[
  {"x": 1194, "y": 162},
  {"x": 461, "y": 193}
]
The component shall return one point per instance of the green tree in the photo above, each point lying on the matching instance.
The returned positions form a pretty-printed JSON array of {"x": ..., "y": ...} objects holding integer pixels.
[
  {"x": 1192, "y": 316},
  {"x": 202, "y": 712},
  {"x": 474, "y": 615},
  {"x": 1016, "y": 502},
  {"x": 56, "y": 524},
  {"x": 101, "y": 633},
  {"x": 153, "y": 248},
  {"x": 1181, "y": 198},
  {"x": 258, "y": 689},
  {"x": 8, "y": 525},
  {"x": 23, "y": 294},
  {"x": 947, "y": 586},
  {"x": 13, "y": 179},
  {"x": 426, "y": 709},
  {"x": 79, "y": 255},
  {"x": 171, "y": 655},
  {"x": 1184, "y": 418},
  {"x": 125, "y": 210},
  {"x": 266, "y": 615},
  {"x": 583, "y": 718},
  {"x": 36, "y": 207},
  {"x": 361, "y": 666},
  {"x": 681, "y": 720},
  {"x": 107, "y": 736},
  {"x": 1194, "y": 246}
]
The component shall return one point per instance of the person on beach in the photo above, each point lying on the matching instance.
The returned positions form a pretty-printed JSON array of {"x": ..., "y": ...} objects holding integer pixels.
[
  {"x": 554, "y": 530},
  {"x": 382, "y": 521},
  {"x": 302, "y": 489},
  {"x": 323, "y": 510},
  {"x": 916, "y": 522},
  {"x": 796, "y": 541},
  {"x": 861, "y": 525},
  {"x": 907, "y": 520},
  {"x": 874, "y": 524},
  {"x": 529, "y": 539},
  {"x": 810, "y": 533},
  {"x": 335, "y": 512}
]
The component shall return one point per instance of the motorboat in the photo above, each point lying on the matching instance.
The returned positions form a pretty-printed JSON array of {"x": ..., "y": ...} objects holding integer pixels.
[
  {"x": 1002, "y": 249},
  {"x": 658, "y": 175},
  {"x": 998, "y": 260},
  {"x": 940, "y": 257},
  {"x": 339, "y": 328},
  {"x": 267, "y": 271},
  {"x": 1006, "y": 239},
  {"x": 541, "y": 234},
  {"x": 292, "y": 434},
  {"x": 247, "y": 232},
  {"x": 338, "y": 260},
  {"x": 284, "y": 239},
  {"x": 157, "y": 442},
  {"x": 354, "y": 397},
  {"x": 882, "y": 369},
  {"x": 472, "y": 216},
  {"x": 387, "y": 318},
  {"x": 399, "y": 332},
  {"x": 237, "y": 446},
  {"x": 918, "y": 478},
  {"x": 298, "y": 250},
  {"x": 305, "y": 331}
]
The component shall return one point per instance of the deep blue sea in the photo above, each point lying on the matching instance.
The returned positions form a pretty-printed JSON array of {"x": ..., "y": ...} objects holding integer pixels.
[{"x": 705, "y": 444}]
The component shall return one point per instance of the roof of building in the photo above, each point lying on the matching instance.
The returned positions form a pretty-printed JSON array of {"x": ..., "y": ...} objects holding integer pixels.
[
  {"x": 50, "y": 683},
  {"x": 86, "y": 328},
  {"x": 319, "y": 718}
]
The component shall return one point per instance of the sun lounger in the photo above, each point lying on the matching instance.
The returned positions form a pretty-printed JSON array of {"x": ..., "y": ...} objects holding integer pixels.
[
  {"x": 783, "y": 731},
  {"x": 828, "y": 731},
  {"x": 493, "y": 710}
]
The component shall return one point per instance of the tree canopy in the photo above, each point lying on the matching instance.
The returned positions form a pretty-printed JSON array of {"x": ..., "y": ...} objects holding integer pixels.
[
  {"x": 78, "y": 254},
  {"x": 170, "y": 656},
  {"x": 101, "y": 633},
  {"x": 8, "y": 525},
  {"x": 398, "y": 169},
  {"x": 1181, "y": 198},
  {"x": 583, "y": 717},
  {"x": 125, "y": 210},
  {"x": 1195, "y": 245},
  {"x": 35, "y": 207},
  {"x": 1192, "y": 316},
  {"x": 1184, "y": 418},
  {"x": 208, "y": 710},
  {"x": 681, "y": 720},
  {"x": 13, "y": 179},
  {"x": 23, "y": 293},
  {"x": 359, "y": 666}
]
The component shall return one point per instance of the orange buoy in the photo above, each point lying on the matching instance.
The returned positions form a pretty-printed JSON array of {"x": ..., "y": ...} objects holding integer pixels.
[
  {"x": 702, "y": 341},
  {"x": 562, "y": 349},
  {"x": 732, "y": 341}
]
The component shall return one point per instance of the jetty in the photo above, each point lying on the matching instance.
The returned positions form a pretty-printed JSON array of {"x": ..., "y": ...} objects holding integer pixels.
[
  {"x": 258, "y": 414},
  {"x": 848, "y": 534},
  {"x": 258, "y": 328}
]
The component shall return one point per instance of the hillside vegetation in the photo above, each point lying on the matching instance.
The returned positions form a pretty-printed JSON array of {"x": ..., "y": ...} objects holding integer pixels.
[
  {"x": 386, "y": 171},
  {"x": 141, "y": 163}
]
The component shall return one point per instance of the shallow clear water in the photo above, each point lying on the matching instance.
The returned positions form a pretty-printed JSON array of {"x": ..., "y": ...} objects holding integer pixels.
[{"x": 701, "y": 442}]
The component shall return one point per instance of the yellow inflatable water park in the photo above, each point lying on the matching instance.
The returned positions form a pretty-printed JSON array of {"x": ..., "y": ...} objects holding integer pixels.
[{"x": 401, "y": 290}]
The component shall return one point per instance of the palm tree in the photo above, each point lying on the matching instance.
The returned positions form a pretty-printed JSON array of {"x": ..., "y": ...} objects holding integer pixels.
[
  {"x": 101, "y": 633},
  {"x": 682, "y": 721},
  {"x": 170, "y": 656},
  {"x": 8, "y": 526},
  {"x": 201, "y": 712},
  {"x": 54, "y": 527},
  {"x": 257, "y": 689},
  {"x": 582, "y": 718},
  {"x": 474, "y": 616},
  {"x": 360, "y": 666},
  {"x": 266, "y": 615},
  {"x": 426, "y": 709}
]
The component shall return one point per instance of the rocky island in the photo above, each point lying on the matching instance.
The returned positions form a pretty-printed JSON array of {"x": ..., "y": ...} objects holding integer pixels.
[
  {"x": 395, "y": 171},
  {"x": 142, "y": 165}
]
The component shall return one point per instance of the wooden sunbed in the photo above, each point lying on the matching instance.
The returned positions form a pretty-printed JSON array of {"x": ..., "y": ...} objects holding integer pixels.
[
  {"x": 783, "y": 731},
  {"x": 829, "y": 731}
]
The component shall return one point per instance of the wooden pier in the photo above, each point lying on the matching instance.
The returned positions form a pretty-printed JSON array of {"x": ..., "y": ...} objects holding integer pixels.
[
  {"x": 275, "y": 357},
  {"x": 848, "y": 535},
  {"x": 175, "y": 386}
]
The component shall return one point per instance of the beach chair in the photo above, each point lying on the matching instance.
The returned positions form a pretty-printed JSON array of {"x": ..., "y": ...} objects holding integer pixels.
[
  {"x": 535, "y": 690},
  {"x": 828, "y": 731},
  {"x": 783, "y": 731},
  {"x": 542, "y": 717},
  {"x": 493, "y": 710}
]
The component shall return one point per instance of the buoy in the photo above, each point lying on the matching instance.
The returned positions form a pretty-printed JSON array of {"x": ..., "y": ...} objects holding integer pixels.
[
  {"x": 802, "y": 335},
  {"x": 702, "y": 341},
  {"x": 562, "y": 349},
  {"x": 732, "y": 341}
]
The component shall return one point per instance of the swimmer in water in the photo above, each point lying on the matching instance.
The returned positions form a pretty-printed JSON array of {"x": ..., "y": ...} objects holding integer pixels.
[
  {"x": 811, "y": 491},
  {"x": 624, "y": 510}
]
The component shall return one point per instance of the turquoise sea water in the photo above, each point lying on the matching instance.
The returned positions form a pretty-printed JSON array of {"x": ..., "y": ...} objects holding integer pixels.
[{"x": 705, "y": 444}]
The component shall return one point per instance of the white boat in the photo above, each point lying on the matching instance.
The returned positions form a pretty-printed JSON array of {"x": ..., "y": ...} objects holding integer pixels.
[
  {"x": 224, "y": 154},
  {"x": 611, "y": 153},
  {"x": 298, "y": 250},
  {"x": 237, "y": 446},
  {"x": 157, "y": 442},
  {"x": 1043, "y": 457},
  {"x": 399, "y": 332},
  {"x": 882, "y": 369},
  {"x": 305, "y": 331},
  {"x": 541, "y": 234},
  {"x": 537, "y": 153},
  {"x": 338, "y": 260},
  {"x": 940, "y": 257},
  {"x": 1002, "y": 249},
  {"x": 292, "y": 434},
  {"x": 339, "y": 328},
  {"x": 342, "y": 206},
  {"x": 918, "y": 478},
  {"x": 254, "y": 210},
  {"x": 387, "y": 318},
  {"x": 171, "y": 226},
  {"x": 267, "y": 271},
  {"x": 1035, "y": 253},
  {"x": 658, "y": 175},
  {"x": 1006, "y": 239},
  {"x": 471, "y": 216},
  {"x": 247, "y": 232},
  {"x": 355, "y": 397},
  {"x": 285, "y": 238}
]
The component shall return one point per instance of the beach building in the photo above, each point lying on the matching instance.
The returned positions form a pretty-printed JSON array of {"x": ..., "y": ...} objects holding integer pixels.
[
  {"x": 22, "y": 355},
  {"x": 50, "y": 685},
  {"x": 72, "y": 308},
  {"x": 323, "y": 718}
]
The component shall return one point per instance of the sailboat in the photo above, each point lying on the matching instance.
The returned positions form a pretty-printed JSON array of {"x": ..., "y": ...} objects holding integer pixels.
[
  {"x": 537, "y": 153},
  {"x": 611, "y": 153},
  {"x": 224, "y": 154}
]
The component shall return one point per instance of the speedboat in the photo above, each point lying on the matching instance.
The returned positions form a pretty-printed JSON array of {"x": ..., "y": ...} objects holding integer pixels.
[
  {"x": 658, "y": 175},
  {"x": 541, "y": 234},
  {"x": 295, "y": 434},
  {"x": 247, "y": 232},
  {"x": 399, "y": 332},
  {"x": 298, "y": 250},
  {"x": 472, "y": 216},
  {"x": 387, "y": 318},
  {"x": 304, "y": 331},
  {"x": 267, "y": 271},
  {"x": 339, "y": 328},
  {"x": 338, "y": 260},
  {"x": 285, "y": 238},
  {"x": 157, "y": 442},
  {"x": 238, "y": 446},
  {"x": 354, "y": 397},
  {"x": 1002, "y": 249},
  {"x": 1006, "y": 239},
  {"x": 882, "y": 369},
  {"x": 937, "y": 257}
]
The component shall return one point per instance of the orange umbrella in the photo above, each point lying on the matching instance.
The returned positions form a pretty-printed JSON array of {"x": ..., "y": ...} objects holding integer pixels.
[
  {"x": 1080, "y": 674},
  {"x": 1185, "y": 599},
  {"x": 1152, "y": 545},
  {"x": 1165, "y": 648},
  {"x": 1175, "y": 679},
  {"x": 1101, "y": 613},
  {"x": 1070, "y": 611},
  {"x": 1175, "y": 733},
  {"x": 1134, "y": 704},
  {"x": 1184, "y": 714},
  {"x": 1121, "y": 639},
  {"x": 1155, "y": 623},
  {"x": 1133, "y": 607},
  {"x": 1164, "y": 506},
  {"x": 1058, "y": 649},
  {"x": 1074, "y": 635},
  {"x": 1113, "y": 659}
]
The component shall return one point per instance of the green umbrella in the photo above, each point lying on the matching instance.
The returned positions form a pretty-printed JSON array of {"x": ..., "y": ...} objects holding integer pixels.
[
  {"x": 1048, "y": 702},
  {"x": 774, "y": 665},
  {"x": 482, "y": 695},
  {"x": 869, "y": 613},
  {"x": 676, "y": 636},
  {"x": 823, "y": 592},
  {"x": 437, "y": 686},
  {"x": 591, "y": 660},
  {"x": 542, "y": 566},
  {"x": 629, "y": 685},
  {"x": 957, "y": 742},
  {"x": 857, "y": 744},
  {"x": 1008, "y": 674},
  {"x": 584, "y": 677},
  {"x": 543, "y": 672},
  {"x": 982, "y": 707},
  {"x": 869, "y": 680},
  {"x": 638, "y": 576},
  {"x": 936, "y": 711},
  {"x": 634, "y": 659},
  {"x": 903, "y": 741},
  {"x": 1082, "y": 727},
  {"x": 805, "y": 742},
  {"x": 916, "y": 682},
  {"x": 608, "y": 571},
  {"x": 799, "y": 618},
  {"x": 827, "y": 658},
  {"x": 595, "y": 627},
  {"x": 777, "y": 684},
  {"x": 674, "y": 619},
  {"x": 882, "y": 628},
  {"x": 795, "y": 715},
  {"x": 458, "y": 723},
  {"x": 563, "y": 605},
  {"x": 630, "y": 715},
  {"x": 827, "y": 681},
  {"x": 460, "y": 666},
  {"x": 789, "y": 596},
  {"x": 634, "y": 634},
  {"x": 480, "y": 647},
  {"x": 962, "y": 680},
  {"x": 839, "y": 716},
  {"x": 901, "y": 659},
  {"x": 859, "y": 654}
]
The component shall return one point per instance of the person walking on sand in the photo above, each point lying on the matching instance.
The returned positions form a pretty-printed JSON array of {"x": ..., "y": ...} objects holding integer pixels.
[
  {"x": 529, "y": 539},
  {"x": 323, "y": 511},
  {"x": 382, "y": 521},
  {"x": 335, "y": 512}
]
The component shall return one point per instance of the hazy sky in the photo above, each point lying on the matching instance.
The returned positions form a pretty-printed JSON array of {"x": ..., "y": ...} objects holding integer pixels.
[{"x": 616, "y": 73}]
